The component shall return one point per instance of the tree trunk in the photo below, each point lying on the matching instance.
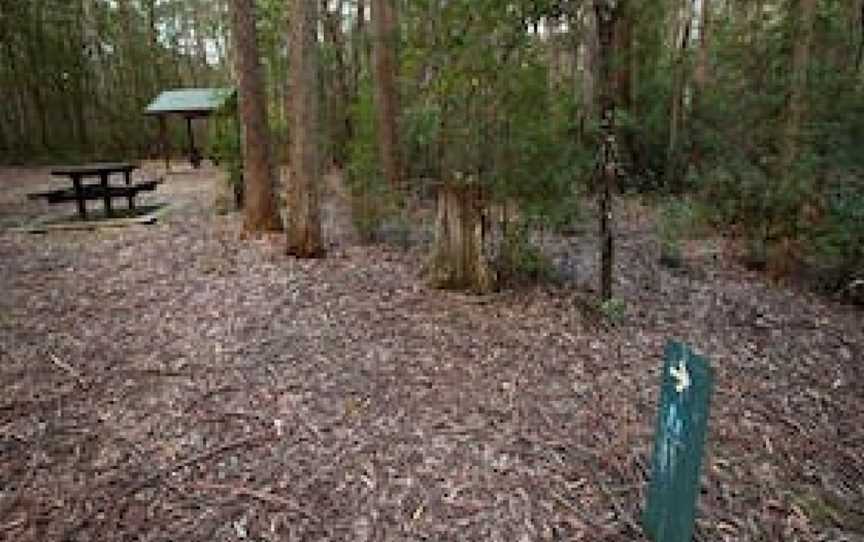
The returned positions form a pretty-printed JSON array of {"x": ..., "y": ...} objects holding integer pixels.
[
  {"x": 259, "y": 198},
  {"x": 127, "y": 71},
  {"x": 304, "y": 218},
  {"x": 623, "y": 55},
  {"x": 155, "y": 49},
  {"x": 338, "y": 92},
  {"x": 701, "y": 74},
  {"x": 607, "y": 168},
  {"x": 360, "y": 52},
  {"x": 798, "y": 84},
  {"x": 386, "y": 97},
  {"x": 590, "y": 54},
  {"x": 858, "y": 35},
  {"x": 674, "y": 176},
  {"x": 458, "y": 261},
  {"x": 199, "y": 23}
]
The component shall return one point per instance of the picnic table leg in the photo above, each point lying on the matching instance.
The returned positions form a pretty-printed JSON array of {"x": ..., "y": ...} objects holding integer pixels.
[
  {"x": 107, "y": 198},
  {"x": 127, "y": 175},
  {"x": 79, "y": 196}
]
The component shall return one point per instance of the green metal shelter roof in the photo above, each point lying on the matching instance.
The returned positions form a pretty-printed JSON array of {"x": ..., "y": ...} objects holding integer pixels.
[{"x": 196, "y": 101}]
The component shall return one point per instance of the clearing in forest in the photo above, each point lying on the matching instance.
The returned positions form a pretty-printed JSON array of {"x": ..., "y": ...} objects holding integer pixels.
[{"x": 182, "y": 382}]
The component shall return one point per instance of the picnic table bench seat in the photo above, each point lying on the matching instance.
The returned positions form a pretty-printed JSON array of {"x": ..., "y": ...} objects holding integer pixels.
[{"x": 97, "y": 191}]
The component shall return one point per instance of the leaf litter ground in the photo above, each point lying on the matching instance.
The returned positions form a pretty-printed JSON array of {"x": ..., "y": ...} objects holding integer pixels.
[{"x": 182, "y": 382}]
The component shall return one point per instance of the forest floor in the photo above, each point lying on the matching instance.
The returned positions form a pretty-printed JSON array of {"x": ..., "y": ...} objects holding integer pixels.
[{"x": 180, "y": 381}]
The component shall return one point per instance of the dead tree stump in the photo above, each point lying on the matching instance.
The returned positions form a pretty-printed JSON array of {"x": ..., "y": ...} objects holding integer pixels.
[{"x": 458, "y": 260}]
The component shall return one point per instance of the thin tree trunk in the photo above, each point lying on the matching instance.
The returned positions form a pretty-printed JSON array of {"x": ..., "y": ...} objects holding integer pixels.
[
  {"x": 607, "y": 168},
  {"x": 128, "y": 72},
  {"x": 155, "y": 49},
  {"x": 338, "y": 91},
  {"x": 554, "y": 51},
  {"x": 200, "y": 23},
  {"x": 590, "y": 53},
  {"x": 386, "y": 97},
  {"x": 37, "y": 57},
  {"x": 259, "y": 198},
  {"x": 16, "y": 89},
  {"x": 360, "y": 52},
  {"x": 798, "y": 86},
  {"x": 623, "y": 54},
  {"x": 858, "y": 34},
  {"x": 304, "y": 218},
  {"x": 676, "y": 112},
  {"x": 701, "y": 74}
]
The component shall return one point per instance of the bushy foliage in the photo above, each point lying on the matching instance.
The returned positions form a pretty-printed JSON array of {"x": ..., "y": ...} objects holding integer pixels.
[
  {"x": 737, "y": 144},
  {"x": 679, "y": 219},
  {"x": 519, "y": 259},
  {"x": 481, "y": 106},
  {"x": 477, "y": 106},
  {"x": 366, "y": 181},
  {"x": 837, "y": 241},
  {"x": 225, "y": 147}
]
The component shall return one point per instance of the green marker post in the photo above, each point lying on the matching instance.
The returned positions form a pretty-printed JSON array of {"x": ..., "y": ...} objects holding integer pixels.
[{"x": 682, "y": 424}]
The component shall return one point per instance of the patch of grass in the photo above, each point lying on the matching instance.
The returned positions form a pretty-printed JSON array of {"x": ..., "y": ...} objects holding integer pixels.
[
  {"x": 7, "y": 320},
  {"x": 614, "y": 310}
]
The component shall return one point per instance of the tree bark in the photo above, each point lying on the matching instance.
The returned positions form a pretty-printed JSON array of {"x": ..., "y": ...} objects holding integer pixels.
[
  {"x": 857, "y": 33},
  {"x": 304, "y": 218},
  {"x": 386, "y": 96},
  {"x": 360, "y": 51},
  {"x": 607, "y": 168},
  {"x": 259, "y": 197},
  {"x": 701, "y": 74},
  {"x": 623, "y": 55},
  {"x": 676, "y": 110},
  {"x": 798, "y": 85},
  {"x": 153, "y": 39},
  {"x": 338, "y": 91},
  {"x": 590, "y": 53},
  {"x": 199, "y": 22},
  {"x": 458, "y": 261}
]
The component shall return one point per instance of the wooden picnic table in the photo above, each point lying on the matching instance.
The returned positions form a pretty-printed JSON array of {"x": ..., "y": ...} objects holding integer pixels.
[{"x": 82, "y": 192}]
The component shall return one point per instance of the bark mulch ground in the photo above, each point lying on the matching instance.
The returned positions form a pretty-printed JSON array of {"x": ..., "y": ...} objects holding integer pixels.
[{"x": 182, "y": 382}]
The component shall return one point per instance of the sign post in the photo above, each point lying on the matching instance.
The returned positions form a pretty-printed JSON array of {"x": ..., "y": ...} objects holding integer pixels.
[{"x": 682, "y": 424}]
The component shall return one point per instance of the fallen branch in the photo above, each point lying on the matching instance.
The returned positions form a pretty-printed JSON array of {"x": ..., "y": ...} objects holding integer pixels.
[{"x": 68, "y": 368}]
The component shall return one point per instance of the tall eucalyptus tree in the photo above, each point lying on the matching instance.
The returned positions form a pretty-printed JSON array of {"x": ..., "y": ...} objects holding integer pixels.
[
  {"x": 304, "y": 215},
  {"x": 259, "y": 198}
]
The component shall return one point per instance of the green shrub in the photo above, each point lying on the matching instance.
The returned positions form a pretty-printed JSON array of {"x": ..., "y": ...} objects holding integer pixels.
[
  {"x": 226, "y": 150},
  {"x": 679, "y": 219},
  {"x": 520, "y": 259},
  {"x": 837, "y": 243},
  {"x": 369, "y": 191},
  {"x": 614, "y": 310},
  {"x": 421, "y": 125}
]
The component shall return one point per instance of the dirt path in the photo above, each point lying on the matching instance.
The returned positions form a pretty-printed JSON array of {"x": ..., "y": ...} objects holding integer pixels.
[{"x": 180, "y": 382}]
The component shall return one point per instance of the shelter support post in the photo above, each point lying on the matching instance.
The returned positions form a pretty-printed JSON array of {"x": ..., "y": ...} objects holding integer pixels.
[
  {"x": 194, "y": 155},
  {"x": 163, "y": 140}
]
